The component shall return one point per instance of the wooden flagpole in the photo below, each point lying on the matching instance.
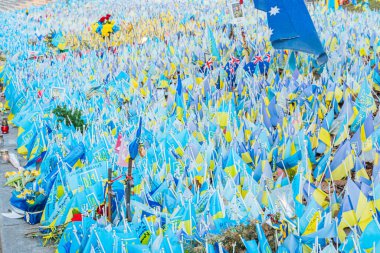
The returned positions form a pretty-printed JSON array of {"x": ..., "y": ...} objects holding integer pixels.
[
  {"x": 128, "y": 188},
  {"x": 109, "y": 208}
]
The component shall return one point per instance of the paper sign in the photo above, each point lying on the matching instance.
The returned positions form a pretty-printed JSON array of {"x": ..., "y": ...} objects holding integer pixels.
[
  {"x": 86, "y": 177},
  {"x": 237, "y": 12},
  {"x": 58, "y": 93}
]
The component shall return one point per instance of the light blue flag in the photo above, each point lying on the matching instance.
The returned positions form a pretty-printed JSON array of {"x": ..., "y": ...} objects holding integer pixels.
[
  {"x": 370, "y": 236},
  {"x": 264, "y": 245},
  {"x": 133, "y": 147},
  {"x": 349, "y": 245},
  {"x": 212, "y": 44},
  {"x": 74, "y": 155},
  {"x": 309, "y": 213},
  {"x": 251, "y": 246},
  {"x": 363, "y": 102},
  {"x": 87, "y": 176},
  {"x": 327, "y": 232},
  {"x": 376, "y": 74},
  {"x": 137, "y": 248},
  {"x": 170, "y": 242},
  {"x": 99, "y": 241},
  {"x": 71, "y": 239},
  {"x": 282, "y": 249},
  {"x": 292, "y": 64},
  {"x": 292, "y": 244},
  {"x": 210, "y": 248}
]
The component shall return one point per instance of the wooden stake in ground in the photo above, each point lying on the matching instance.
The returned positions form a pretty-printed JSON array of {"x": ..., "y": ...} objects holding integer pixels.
[
  {"x": 129, "y": 185},
  {"x": 109, "y": 208},
  {"x": 133, "y": 152}
]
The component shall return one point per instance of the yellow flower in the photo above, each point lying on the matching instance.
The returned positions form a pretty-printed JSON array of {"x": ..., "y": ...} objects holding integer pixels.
[
  {"x": 107, "y": 29},
  {"x": 26, "y": 173},
  {"x": 35, "y": 173},
  {"x": 62, "y": 46},
  {"x": 30, "y": 201},
  {"x": 9, "y": 174},
  {"x": 94, "y": 26},
  {"x": 26, "y": 191}
]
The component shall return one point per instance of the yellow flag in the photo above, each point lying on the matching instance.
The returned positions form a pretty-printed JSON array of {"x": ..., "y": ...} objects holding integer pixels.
[{"x": 312, "y": 227}]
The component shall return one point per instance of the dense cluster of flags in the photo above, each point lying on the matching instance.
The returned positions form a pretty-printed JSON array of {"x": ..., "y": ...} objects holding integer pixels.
[{"x": 223, "y": 128}]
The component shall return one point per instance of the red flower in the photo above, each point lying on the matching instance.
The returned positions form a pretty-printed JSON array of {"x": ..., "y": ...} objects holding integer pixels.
[
  {"x": 108, "y": 16},
  {"x": 102, "y": 19}
]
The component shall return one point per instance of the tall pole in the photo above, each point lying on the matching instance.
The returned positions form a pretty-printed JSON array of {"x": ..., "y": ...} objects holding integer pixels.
[
  {"x": 129, "y": 185},
  {"x": 109, "y": 208},
  {"x": 245, "y": 45}
]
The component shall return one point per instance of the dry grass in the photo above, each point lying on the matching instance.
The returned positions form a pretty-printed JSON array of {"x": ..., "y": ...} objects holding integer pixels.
[{"x": 373, "y": 5}]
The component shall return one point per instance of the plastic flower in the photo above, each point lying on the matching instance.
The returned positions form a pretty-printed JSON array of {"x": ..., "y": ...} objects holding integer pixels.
[
  {"x": 30, "y": 201},
  {"x": 62, "y": 46},
  {"x": 94, "y": 27},
  {"x": 27, "y": 191},
  {"x": 107, "y": 29},
  {"x": 35, "y": 172},
  {"x": 102, "y": 19},
  {"x": 21, "y": 195},
  {"x": 99, "y": 29},
  {"x": 10, "y": 173},
  {"x": 115, "y": 28}
]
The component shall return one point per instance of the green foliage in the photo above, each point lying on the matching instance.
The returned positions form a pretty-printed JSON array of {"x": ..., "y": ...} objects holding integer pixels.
[
  {"x": 50, "y": 235},
  {"x": 373, "y": 5},
  {"x": 70, "y": 117},
  {"x": 232, "y": 236}
]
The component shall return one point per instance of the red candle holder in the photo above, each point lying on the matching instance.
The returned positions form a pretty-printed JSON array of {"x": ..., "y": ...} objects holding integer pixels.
[
  {"x": 4, "y": 126},
  {"x": 5, "y": 129}
]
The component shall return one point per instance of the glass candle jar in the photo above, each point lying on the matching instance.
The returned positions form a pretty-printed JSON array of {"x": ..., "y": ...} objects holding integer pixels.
[
  {"x": 4, "y": 126},
  {"x": 1, "y": 141},
  {"x": 4, "y": 155}
]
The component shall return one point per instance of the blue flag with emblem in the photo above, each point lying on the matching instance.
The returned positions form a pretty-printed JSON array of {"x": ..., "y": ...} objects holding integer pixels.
[
  {"x": 291, "y": 27},
  {"x": 134, "y": 146}
]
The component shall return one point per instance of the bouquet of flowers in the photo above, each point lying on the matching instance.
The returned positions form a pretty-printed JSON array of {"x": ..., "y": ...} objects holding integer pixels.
[
  {"x": 19, "y": 179},
  {"x": 27, "y": 199},
  {"x": 30, "y": 202},
  {"x": 105, "y": 26}
]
